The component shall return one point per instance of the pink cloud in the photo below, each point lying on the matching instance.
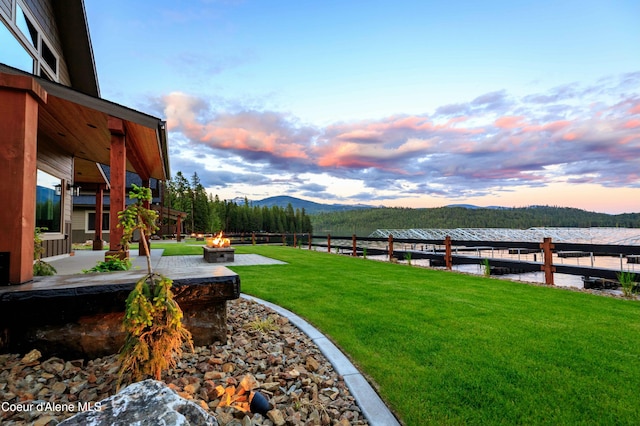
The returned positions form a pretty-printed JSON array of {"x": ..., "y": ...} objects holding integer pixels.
[
  {"x": 509, "y": 122},
  {"x": 632, "y": 124}
]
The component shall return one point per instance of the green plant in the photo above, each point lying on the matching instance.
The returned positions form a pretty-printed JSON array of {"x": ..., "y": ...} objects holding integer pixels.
[
  {"x": 40, "y": 267},
  {"x": 364, "y": 252},
  {"x": 112, "y": 263},
  {"x": 153, "y": 320},
  {"x": 627, "y": 281},
  {"x": 407, "y": 257},
  {"x": 486, "y": 267},
  {"x": 263, "y": 325}
]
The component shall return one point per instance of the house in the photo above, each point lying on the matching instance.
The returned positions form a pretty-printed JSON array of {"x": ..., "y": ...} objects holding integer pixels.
[
  {"x": 83, "y": 227},
  {"x": 57, "y": 131}
]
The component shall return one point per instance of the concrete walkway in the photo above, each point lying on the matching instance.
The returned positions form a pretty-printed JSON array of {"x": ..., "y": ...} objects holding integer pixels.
[{"x": 372, "y": 406}]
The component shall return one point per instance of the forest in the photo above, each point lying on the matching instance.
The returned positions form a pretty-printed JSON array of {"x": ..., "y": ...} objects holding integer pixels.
[
  {"x": 364, "y": 221},
  {"x": 209, "y": 214}
]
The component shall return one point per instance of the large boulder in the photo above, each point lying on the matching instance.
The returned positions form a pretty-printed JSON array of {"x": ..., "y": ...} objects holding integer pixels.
[{"x": 144, "y": 403}]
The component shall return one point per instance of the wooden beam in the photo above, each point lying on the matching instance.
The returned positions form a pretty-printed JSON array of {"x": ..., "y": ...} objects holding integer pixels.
[
  {"x": 118, "y": 168},
  {"x": 18, "y": 156},
  {"x": 97, "y": 239},
  {"x": 141, "y": 247}
]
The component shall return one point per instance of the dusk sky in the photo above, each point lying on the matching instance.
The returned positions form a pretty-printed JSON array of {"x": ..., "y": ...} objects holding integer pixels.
[{"x": 395, "y": 103}]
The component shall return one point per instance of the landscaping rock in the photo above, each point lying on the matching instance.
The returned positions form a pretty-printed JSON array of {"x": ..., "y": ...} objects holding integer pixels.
[
  {"x": 144, "y": 403},
  {"x": 287, "y": 367}
]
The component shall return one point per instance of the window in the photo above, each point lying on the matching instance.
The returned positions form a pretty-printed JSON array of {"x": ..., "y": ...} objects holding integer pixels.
[
  {"x": 91, "y": 222},
  {"x": 12, "y": 52},
  {"x": 48, "y": 202},
  {"x": 24, "y": 36},
  {"x": 26, "y": 27}
]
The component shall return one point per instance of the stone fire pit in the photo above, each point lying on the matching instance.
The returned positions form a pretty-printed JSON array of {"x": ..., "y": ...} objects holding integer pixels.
[{"x": 218, "y": 254}]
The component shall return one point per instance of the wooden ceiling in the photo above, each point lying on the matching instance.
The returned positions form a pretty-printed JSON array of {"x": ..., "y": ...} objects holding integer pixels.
[{"x": 78, "y": 124}]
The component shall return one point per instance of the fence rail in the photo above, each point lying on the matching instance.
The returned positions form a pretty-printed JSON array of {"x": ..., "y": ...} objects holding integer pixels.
[{"x": 449, "y": 252}]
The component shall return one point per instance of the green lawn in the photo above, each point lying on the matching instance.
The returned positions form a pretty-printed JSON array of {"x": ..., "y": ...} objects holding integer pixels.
[{"x": 448, "y": 348}]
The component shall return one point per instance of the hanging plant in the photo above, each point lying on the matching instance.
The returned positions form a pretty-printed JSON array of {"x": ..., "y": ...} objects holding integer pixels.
[{"x": 153, "y": 320}]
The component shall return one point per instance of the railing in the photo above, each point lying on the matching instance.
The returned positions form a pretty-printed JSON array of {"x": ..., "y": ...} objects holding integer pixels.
[{"x": 449, "y": 252}]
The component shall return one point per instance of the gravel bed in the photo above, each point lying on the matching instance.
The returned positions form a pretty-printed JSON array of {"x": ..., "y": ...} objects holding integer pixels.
[{"x": 288, "y": 368}]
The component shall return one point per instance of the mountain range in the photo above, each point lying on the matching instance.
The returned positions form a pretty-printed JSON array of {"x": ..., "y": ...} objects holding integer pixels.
[{"x": 312, "y": 207}]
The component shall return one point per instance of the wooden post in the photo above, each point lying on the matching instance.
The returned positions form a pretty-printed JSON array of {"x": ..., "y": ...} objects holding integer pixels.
[
  {"x": 97, "y": 236},
  {"x": 354, "y": 247},
  {"x": 253, "y": 238},
  {"x": 309, "y": 240},
  {"x": 179, "y": 228},
  {"x": 390, "y": 248},
  {"x": 142, "y": 248},
  {"x": 328, "y": 243},
  {"x": 448, "y": 259},
  {"x": 161, "y": 227},
  {"x": 548, "y": 267},
  {"x": 19, "y": 97},
  {"x": 118, "y": 165},
  {"x": 295, "y": 240}
]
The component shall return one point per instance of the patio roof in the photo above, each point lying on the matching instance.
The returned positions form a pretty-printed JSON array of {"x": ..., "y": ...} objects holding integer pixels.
[{"x": 77, "y": 124}]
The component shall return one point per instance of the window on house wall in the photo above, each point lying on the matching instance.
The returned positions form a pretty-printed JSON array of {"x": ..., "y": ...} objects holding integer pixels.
[
  {"x": 31, "y": 38},
  {"x": 91, "y": 222},
  {"x": 49, "y": 192},
  {"x": 26, "y": 27},
  {"x": 12, "y": 52}
]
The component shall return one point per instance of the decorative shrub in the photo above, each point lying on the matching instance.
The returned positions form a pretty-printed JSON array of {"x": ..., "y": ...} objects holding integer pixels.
[
  {"x": 153, "y": 319},
  {"x": 111, "y": 264},
  {"x": 40, "y": 267}
]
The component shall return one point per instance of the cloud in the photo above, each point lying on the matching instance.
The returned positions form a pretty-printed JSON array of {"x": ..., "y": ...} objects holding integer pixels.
[{"x": 495, "y": 142}]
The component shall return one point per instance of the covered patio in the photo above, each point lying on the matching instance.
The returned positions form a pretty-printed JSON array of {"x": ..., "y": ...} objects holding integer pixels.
[{"x": 51, "y": 127}]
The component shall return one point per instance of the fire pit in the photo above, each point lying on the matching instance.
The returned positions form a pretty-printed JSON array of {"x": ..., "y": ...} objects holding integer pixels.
[{"x": 218, "y": 250}]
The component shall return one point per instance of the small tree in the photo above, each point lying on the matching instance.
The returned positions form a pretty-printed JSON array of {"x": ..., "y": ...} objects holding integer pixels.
[{"x": 153, "y": 319}]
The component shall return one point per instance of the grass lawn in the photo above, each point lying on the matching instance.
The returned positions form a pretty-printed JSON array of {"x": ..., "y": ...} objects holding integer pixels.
[{"x": 448, "y": 348}]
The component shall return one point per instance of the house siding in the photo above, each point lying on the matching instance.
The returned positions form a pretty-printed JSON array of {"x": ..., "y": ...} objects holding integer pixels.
[
  {"x": 5, "y": 8},
  {"x": 79, "y": 226}
]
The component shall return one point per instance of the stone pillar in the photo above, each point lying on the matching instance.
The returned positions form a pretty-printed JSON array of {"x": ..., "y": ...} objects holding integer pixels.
[
  {"x": 118, "y": 176},
  {"x": 19, "y": 97}
]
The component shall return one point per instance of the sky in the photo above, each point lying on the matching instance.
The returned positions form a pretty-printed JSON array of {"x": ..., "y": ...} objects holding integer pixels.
[{"x": 387, "y": 103}]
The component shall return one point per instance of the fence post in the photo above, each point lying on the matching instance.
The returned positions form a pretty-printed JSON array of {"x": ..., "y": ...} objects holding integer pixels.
[
  {"x": 284, "y": 240},
  {"x": 548, "y": 267},
  {"x": 309, "y": 234},
  {"x": 253, "y": 238},
  {"x": 390, "y": 248},
  {"x": 295, "y": 240},
  {"x": 448, "y": 260},
  {"x": 328, "y": 243},
  {"x": 353, "y": 244}
]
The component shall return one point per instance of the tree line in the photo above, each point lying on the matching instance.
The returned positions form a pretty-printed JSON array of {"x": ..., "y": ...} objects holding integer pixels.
[
  {"x": 364, "y": 221},
  {"x": 209, "y": 214}
]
